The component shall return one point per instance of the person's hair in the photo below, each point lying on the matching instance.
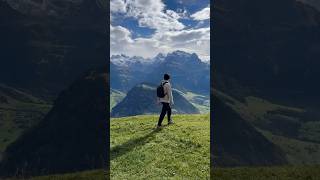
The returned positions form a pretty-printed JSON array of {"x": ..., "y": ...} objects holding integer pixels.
[{"x": 166, "y": 77}]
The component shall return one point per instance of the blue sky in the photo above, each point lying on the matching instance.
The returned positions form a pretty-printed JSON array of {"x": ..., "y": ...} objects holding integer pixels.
[{"x": 148, "y": 27}]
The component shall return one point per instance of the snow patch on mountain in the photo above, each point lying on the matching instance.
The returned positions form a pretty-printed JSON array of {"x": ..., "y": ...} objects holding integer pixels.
[{"x": 127, "y": 61}]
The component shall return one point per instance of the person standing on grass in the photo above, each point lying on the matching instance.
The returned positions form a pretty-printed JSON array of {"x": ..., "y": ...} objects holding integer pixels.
[{"x": 164, "y": 93}]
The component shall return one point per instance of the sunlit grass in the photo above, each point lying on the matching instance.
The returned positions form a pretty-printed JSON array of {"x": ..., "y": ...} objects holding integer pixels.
[{"x": 179, "y": 151}]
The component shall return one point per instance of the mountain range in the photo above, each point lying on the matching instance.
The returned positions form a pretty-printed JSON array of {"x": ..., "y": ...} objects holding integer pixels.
[{"x": 126, "y": 71}]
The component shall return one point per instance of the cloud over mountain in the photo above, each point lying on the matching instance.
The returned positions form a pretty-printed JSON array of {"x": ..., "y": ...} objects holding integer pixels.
[
  {"x": 202, "y": 14},
  {"x": 146, "y": 28}
]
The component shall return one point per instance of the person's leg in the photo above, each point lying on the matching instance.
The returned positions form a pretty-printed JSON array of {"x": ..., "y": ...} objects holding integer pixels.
[
  {"x": 169, "y": 112},
  {"x": 163, "y": 113}
]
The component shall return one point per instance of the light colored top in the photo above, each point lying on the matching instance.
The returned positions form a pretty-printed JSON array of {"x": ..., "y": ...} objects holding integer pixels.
[{"x": 168, "y": 98}]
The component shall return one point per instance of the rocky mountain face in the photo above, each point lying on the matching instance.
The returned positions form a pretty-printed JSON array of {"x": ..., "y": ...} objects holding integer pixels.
[
  {"x": 129, "y": 71},
  {"x": 71, "y": 137},
  {"x": 126, "y": 72},
  {"x": 141, "y": 99},
  {"x": 44, "y": 49}
]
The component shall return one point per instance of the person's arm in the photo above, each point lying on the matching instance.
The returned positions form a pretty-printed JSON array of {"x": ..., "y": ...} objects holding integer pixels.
[{"x": 170, "y": 94}]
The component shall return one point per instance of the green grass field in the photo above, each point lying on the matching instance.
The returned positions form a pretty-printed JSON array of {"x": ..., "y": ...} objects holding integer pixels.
[
  {"x": 178, "y": 151},
  {"x": 241, "y": 173}
]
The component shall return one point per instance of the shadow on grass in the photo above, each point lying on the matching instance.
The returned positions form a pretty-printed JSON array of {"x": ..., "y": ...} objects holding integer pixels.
[{"x": 128, "y": 146}]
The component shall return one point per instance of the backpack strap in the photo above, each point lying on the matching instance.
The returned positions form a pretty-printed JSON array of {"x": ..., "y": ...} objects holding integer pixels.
[{"x": 164, "y": 84}]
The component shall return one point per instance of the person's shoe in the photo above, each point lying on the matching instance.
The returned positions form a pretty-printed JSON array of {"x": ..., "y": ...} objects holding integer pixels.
[
  {"x": 158, "y": 127},
  {"x": 170, "y": 122}
]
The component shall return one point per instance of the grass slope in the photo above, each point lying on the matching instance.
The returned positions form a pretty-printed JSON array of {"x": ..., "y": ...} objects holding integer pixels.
[
  {"x": 303, "y": 149},
  {"x": 115, "y": 97},
  {"x": 18, "y": 112},
  {"x": 179, "y": 151},
  {"x": 201, "y": 102},
  {"x": 297, "y": 151},
  {"x": 243, "y": 173}
]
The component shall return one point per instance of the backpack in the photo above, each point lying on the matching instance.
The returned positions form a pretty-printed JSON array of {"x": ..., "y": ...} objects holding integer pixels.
[{"x": 160, "y": 90}]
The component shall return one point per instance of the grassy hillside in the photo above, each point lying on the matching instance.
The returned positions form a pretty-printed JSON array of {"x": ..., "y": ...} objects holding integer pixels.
[
  {"x": 18, "y": 112},
  {"x": 289, "y": 128},
  {"x": 294, "y": 130},
  {"x": 201, "y": 102},
  {"x": 142, "y": 100},
  {"x": 178, "y": 151},
  {"x": 244, "y": 173},
  {"x": 267, "y": 173},
  {"x": 115, "y": 97},
  {"x": 297, "y": 151}
]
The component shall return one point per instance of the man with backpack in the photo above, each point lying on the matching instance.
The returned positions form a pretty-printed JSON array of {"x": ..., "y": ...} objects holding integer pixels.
[{"x": 164, "y": 93}]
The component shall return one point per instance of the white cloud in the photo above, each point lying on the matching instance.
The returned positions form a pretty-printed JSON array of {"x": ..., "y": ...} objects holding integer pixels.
[
  {"x": 149, "y": 13},
  {"x": 117, "y": 6},
  {"x": 192, "y": 41},
  {"x": 172, "y": 14},
  {"x": 183, "y": 13},
  {"x": 170, "y": 34},
  {"x": 202, "y": 14},
  {"x": 121, "y": 42}
]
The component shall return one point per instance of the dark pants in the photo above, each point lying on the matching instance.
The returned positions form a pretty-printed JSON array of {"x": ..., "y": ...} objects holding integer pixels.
[{"x": 165, "y": 109}]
